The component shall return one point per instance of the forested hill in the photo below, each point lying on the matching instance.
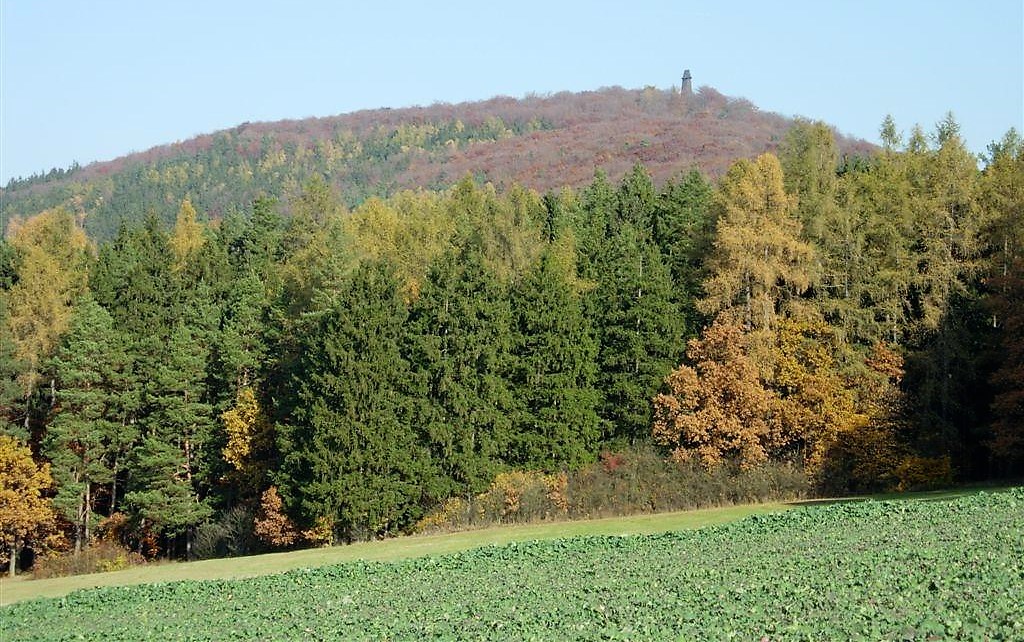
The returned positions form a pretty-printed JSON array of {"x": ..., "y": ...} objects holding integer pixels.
[{"x": 540, "y": 142}]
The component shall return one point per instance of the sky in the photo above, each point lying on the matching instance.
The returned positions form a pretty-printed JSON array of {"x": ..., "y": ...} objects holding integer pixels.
[{"x": 90, "y": 81}]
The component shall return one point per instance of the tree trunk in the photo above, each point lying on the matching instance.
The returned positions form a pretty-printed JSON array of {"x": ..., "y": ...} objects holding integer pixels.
[
  {"x": 113, "y": 493},
  {"x": 88, "y": 512},
  {"x": 14, "y": 557}
]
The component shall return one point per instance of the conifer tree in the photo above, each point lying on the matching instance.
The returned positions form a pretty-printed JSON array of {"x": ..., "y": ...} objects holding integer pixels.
[
  {"x": 460, "y": 351},
  {"x": 161, "y": 495},
  {"x": 554, "y": 373},
  {"x": 636, "y": 200},
  {"x": 641, "y": 331},
  {"x": 759, "y": 262},
  {"x": 599, "y": 204},
  {"x": 683, "y": 230},
  {"x": 52, "y": 270},
  {"x": 88, "y": 368},
  {"x": 11, "y": 397},
  {"x": 351, "y": 455}
]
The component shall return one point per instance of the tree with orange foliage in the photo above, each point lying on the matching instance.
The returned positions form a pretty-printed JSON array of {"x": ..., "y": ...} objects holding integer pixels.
[
  {"x": 720, "y": 407},
  {"x": 272, "y": 525},
  {"x": 275, "y": 528}
]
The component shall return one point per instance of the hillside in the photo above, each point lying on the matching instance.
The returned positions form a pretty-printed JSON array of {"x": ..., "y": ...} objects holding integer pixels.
[{"x": 542, "y": 142}]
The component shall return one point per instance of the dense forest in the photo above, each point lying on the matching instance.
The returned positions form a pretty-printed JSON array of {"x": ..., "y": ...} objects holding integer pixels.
[
  {"x": 327, "y": 372},
  {"x": 539, "y": 142}
]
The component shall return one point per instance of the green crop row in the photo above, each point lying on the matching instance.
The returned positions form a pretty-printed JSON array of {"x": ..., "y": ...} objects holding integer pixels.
[{"x": 947, "y": 570}]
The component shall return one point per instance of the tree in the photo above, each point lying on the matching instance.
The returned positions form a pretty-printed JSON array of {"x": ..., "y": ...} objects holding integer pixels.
[
  {"x": 597, "y": 215},
  {"x": 759, "y": 263},
  {"x": 683, "y": 230},
  {"x": 188, "y": 236},
  {"x": 249, "y": 437},
  {"x": 1007, "y": 442},
  {"x": 641, "y": 330},
  {"x": 554, "y": 372},
  {"x": 816, "y": 404},
  {"x": 133, "y": 280},
  {"x": 459, "y": 347},
  {"x": 25, "y": 513},
  {"x": 272, "y": 525},
  {"x": 350, "y": 453},
  {"x": 1003, "y": 251},
  {"x": 52, "y": 272},
  {"x": 719, "y": 408},
  {"x": 12, "y": 418},
  {"x": 161, "y": 495},
  {"x": 87, "y": 368},
  {"x": 637, "y": 200},
  {"x": 809, "y": 159}
]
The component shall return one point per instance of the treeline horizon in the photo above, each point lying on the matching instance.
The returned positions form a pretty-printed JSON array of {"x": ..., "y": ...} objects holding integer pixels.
[{"x": 340, "y": 374}]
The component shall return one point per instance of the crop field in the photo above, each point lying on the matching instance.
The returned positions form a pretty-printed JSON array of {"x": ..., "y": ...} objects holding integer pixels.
[{"x": 891, "y": 570}]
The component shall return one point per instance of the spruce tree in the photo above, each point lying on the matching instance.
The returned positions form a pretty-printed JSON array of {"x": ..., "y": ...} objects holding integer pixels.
[
  {"x": 636, "y": 200},
  {"x": 683, "y": 229},
  {"x": 460, "y": 352},
  {"x": 351, "y": 456},
  {"x": 555, "y": 371},
  {"x": 641, "y": 332}
]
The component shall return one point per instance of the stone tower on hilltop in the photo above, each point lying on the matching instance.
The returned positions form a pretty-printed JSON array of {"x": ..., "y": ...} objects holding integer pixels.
[{"x": 687, "y": 87}]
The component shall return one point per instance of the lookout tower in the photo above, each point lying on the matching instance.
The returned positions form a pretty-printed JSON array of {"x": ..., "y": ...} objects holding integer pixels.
[{"x": 687, "y": 87}]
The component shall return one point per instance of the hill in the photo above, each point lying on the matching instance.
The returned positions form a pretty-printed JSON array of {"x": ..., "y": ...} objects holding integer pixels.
[{"x": 541, "y": 142}]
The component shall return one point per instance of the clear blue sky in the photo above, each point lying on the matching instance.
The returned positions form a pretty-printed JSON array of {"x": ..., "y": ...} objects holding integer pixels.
[{"x": 84, "y": 81}]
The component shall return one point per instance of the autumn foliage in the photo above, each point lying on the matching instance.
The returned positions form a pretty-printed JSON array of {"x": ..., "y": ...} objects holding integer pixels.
[
  {"x": 26, "y": 514},
  {"x": 718, "y": 408},
  {"x": 274, "y": 527}
]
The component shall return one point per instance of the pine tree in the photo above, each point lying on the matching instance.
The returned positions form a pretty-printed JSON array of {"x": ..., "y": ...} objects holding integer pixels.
[
  {"x": 161, "y": 496},
  {"x": 88, "y": 368}
]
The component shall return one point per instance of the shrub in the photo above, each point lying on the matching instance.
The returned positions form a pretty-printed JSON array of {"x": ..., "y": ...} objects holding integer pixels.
[
  {"x": 638, "y": 480},
  {"x": 230, "y": 536},
  {"x": 99, "y": 557},
  {"x": 924, "y": 473}
]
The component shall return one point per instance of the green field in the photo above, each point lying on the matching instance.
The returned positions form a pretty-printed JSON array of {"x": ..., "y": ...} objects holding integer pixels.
[
  {"x": 893, "y": 570},
  {"x": 23, "y": 588}
]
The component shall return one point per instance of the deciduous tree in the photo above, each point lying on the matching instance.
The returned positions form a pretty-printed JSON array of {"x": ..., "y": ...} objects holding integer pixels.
[
  {"x": 719, "y": 408},
  {"x": 25, "y": 513}
]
